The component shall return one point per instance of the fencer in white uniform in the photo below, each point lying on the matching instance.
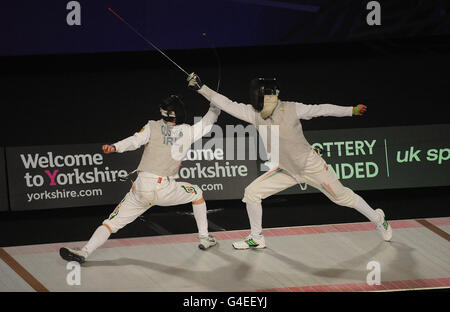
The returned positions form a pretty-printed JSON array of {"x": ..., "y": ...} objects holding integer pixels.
[
  {"x": 166, "y": 143},
  {"x": 297, "y": 161}
]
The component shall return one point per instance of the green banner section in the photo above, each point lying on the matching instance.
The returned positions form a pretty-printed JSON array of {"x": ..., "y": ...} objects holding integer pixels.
[{"x": 385, "y": 158}]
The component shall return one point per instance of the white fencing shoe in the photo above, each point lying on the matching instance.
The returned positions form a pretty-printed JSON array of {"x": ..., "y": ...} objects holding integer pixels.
[
  {"x": 250, "y": 242},
  {"x": 69, "y": 254},
  {"x": 206, "y": 242},
  {"x": 383, "y": 226}
]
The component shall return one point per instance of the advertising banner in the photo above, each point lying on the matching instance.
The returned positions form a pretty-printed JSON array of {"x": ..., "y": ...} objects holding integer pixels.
[
  {"x": 385, "y": 157},
  {"x": 44, "y": 177},
  {"x": 220, "y": 167}
]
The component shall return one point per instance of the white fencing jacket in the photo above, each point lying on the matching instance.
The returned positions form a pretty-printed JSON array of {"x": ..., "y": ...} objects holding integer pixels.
[
  {"x": 165, "y": 144},
  {"x": 287, "y": 141}
]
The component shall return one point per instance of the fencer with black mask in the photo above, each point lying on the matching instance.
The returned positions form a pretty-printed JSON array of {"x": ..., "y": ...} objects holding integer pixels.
[
  {"x": 166, "y": 142},
  {"x": 264, "y": 95},
  {"x": 297, "y": 161}
]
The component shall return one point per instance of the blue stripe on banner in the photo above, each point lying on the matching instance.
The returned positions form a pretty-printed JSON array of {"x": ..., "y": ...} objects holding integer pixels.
[{"x": 282, "y": 5}]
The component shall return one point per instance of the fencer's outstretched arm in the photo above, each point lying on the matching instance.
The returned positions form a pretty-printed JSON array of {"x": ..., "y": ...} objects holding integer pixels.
[
  {"x": 245, "y": 112},
  {"x": 308, "y": 111},
  {"x": 305, "y": 111},
  {"x": 133, "y": 142}
]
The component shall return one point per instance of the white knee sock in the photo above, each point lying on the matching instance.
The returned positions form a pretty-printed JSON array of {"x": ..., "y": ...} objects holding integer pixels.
[
  {"x": 99, "y": 237},
  {"x": 254, "y": 211},
  {"x": 366, "y": 210},
  {"x": 201, "y": 219}
]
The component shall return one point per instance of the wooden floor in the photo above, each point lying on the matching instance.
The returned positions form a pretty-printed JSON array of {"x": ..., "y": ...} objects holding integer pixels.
[{"x": 336, "y": 257}]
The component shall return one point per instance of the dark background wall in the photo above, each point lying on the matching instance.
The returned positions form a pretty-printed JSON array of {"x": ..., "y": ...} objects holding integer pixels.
[
  {"x": 100, "y": 98},
  {"x": 91, "y": 98}
]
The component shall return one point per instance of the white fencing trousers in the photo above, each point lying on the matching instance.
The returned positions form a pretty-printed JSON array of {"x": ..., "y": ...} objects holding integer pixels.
[
  {"x": 316, "y": 174},
  {"x": 148, "y": 191}
]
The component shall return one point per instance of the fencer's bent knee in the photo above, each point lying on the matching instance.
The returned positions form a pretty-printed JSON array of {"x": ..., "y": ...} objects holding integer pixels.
[
  {"x": 108, "y": 228},
  {"x": 251, "y": 195},
  {"x": 111, "y": 226}
]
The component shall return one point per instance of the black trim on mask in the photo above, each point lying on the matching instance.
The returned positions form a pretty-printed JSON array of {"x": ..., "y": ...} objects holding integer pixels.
[
  {"x": 174, "y": 105},
  {"x": 260, "y": 87}
]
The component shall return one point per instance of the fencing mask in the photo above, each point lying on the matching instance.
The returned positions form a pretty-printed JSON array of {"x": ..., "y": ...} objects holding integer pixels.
[
  {"x": 264, "y": 95},
  {"x": 173, "y": 107}
]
